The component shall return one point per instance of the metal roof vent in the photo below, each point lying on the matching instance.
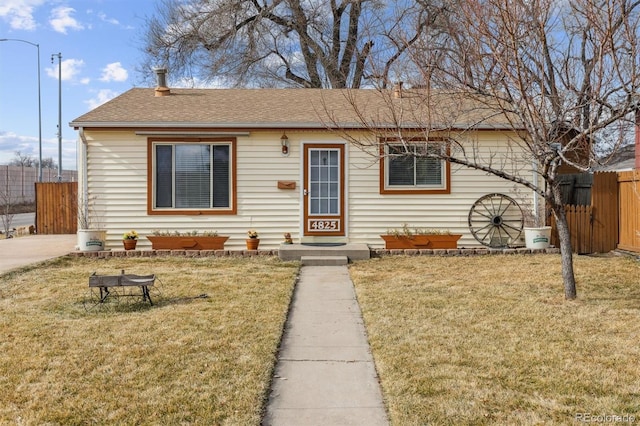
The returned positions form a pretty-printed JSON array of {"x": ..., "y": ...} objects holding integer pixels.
[{"x": 161, "y": 82}]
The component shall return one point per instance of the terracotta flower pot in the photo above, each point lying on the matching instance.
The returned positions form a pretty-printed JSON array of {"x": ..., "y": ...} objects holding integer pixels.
[
  {"x": 253, "y": 243},
  {"x": 129, "y": 244}
]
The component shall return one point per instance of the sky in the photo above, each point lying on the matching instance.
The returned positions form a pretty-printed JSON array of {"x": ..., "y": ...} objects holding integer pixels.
[{"x": 100, "y": 42}]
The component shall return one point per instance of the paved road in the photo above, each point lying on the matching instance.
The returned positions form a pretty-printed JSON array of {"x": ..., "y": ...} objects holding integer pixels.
[{"x": 23, "y": 219}]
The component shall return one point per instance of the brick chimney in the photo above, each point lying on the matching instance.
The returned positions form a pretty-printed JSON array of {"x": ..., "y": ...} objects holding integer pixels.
[{"x": 161, "y": 82}]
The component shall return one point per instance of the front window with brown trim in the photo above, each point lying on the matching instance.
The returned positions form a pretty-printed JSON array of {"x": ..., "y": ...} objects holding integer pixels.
[
  {"x": 194, "y": 176},
  {"x": 414, "y": 168}
]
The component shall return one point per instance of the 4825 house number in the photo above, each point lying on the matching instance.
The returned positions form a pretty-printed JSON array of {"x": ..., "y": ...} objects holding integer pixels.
[{"x": 324, "y": 225}]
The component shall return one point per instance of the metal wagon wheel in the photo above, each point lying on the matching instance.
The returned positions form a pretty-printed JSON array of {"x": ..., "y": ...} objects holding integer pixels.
[
  {"x": 496, "y": 220},
  {"x": 96, "y": 298}
]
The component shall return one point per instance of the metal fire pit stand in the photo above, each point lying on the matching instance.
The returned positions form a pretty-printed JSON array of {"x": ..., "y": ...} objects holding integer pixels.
[{"x": 110, "y": 284}]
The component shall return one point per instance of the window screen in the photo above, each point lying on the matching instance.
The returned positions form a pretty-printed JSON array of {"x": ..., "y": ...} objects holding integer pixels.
[{"x": 192, "y": 176}]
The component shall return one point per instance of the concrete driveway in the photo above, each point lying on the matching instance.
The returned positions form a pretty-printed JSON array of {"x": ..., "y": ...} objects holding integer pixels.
[{"x": 22, "y": 251}]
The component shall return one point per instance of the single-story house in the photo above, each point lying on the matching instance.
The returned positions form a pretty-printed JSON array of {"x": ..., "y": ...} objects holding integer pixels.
[{"x": 284, "y": 161}]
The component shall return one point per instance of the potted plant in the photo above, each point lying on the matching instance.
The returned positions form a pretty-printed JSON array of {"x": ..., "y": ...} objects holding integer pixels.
[
  {"x": 417, "y": 238},
  {"x": 130, "y": 239},
  {"x": 91, "y": 237},
  {"x": 253, "y": 241},
  {"x": 165, "y": 240}
]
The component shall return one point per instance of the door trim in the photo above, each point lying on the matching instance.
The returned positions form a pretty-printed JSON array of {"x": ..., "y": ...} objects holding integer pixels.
[{"x": 322, "y": 220}]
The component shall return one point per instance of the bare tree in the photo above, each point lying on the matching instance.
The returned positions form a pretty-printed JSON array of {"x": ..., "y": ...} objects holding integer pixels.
[
  {"x": 23, "y": 160},
  {"x": 49, "y": 163},
  {"x": 563, "y": 75},
  {"x": 8, "y": 201},
  {"x": 296, "y": 43}
]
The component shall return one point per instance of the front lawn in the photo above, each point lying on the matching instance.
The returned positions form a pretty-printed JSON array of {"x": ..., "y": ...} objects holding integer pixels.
[
  {"x": 203, "y": 354},
  {"x": 491, "y": 340}
]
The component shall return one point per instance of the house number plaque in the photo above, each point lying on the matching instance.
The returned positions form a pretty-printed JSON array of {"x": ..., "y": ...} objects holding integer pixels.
[{"x": 327, "y": 225}]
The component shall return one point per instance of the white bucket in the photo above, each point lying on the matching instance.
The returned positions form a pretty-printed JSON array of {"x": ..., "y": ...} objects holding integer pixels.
[
  {"x": 537, "y": 238},
  {"x": 91, "y": 239}
]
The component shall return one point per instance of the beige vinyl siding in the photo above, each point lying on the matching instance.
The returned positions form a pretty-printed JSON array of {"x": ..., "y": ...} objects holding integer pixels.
[
  {"x": 117, "y": 183},
  {"x": 261, "y": 205},
  {"x": 372, "y": 213}
]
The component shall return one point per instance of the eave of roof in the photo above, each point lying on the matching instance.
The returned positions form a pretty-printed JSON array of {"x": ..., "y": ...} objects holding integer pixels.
[{"x": 264, "y": 126}]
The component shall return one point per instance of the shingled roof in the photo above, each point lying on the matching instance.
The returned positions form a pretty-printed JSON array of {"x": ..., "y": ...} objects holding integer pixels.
[{"x": 284, "y": 108}]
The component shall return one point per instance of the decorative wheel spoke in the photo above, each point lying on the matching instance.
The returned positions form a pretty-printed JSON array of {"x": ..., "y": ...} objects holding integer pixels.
[{"x": 496, "y": 220}]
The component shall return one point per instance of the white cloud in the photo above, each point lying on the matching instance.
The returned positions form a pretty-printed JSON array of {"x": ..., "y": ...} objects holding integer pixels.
[
  {"x": 101, "y": 97},
  {"x": 114, "y": 72},
  {"x": 108, "y": 19},
  {"x": 103, "y": 16},
  {"x": 10, "y": 142},
  {"x": 70, "y": 70},
  {"x": 19, "y": 13},
  {"x": 61, "y": 19}
]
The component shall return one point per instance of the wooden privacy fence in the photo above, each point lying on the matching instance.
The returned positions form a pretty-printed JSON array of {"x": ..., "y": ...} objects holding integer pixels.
[
  {"x": 594, "y": 228},
  {"x": 580, "y": 221},
  {"x": 629, "y": 195},
  {"x": 604, "y": 201},
  {"x": 56, "y": 207}
]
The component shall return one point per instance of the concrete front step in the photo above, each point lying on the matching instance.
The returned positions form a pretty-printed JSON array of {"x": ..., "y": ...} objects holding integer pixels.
[
  {"x": 324, "y": 260},
  {"x": 351, "y": 251}
]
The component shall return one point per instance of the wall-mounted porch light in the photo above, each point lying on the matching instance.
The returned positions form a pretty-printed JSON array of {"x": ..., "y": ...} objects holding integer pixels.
[{"x": 284, "y": 141}]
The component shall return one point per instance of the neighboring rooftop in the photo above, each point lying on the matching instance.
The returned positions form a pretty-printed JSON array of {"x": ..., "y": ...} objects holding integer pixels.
[{"x": 622, "y": 159}]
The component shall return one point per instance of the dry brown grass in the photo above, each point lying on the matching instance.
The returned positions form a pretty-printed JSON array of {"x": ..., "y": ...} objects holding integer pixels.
[
  {"x": 186, "y": 360},
  {"x": 490, "y": 340}
]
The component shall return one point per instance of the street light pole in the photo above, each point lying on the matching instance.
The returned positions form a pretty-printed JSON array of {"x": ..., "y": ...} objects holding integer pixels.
[
  {"x": 39, "y": 105},
  {"x": 59, "y": 55}
]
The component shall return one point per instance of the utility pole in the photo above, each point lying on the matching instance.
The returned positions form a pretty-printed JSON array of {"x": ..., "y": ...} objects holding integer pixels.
[
  {"x": 59, "y": 55},
  {"x": 37, "y": 46}
]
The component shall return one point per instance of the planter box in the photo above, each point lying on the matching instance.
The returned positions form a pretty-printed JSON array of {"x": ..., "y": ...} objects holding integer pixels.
[
  {"x": 426, "y": 241},
  {"x": 444, "y": 241},
  {"x": 404, "y": 242},
  {"x": 188, "y": 243}
]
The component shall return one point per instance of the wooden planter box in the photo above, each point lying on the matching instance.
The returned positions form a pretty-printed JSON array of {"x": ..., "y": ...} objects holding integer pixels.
[
  {"x": 187, "y": 243},
  {"x": 426, "y": 241},
  {"x": 404, "y": 242},
  {"x": 444, "y": 241}
]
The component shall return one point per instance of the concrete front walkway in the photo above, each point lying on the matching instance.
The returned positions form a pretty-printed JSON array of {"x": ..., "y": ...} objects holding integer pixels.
[
  {"x": 22, "y": 251},
  {"x": 325, "y": 373}
]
